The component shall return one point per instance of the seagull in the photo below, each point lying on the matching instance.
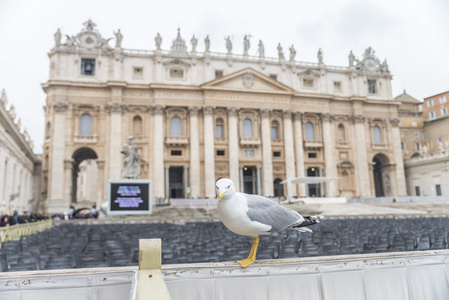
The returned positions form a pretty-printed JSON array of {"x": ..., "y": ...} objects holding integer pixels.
[{"x": 253, "y": 215}]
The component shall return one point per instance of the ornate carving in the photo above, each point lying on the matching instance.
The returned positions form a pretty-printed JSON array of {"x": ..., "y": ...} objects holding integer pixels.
[
  {"x": 232, "y": 111},
  {"x": 357, "y": 119},
  {"x": 113, "y": 107},
  {"x": 60, "y": 106},
  {"x": 194, "y": 110},
  {"x": 327, "y": 117},
  {"x": 265, "y": 113},
  {"x": 395, "y": 122},
  {"x": 287, "y": 114},
  {"x": 208, "y": 110},
  {"x": 248, "y": 79},
  {"x": 158, "y": 109}
]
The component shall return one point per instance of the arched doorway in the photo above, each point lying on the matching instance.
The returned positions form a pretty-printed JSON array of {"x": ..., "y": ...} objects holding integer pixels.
[
  {"x": 381, "y": 175},
  {"x": 84, "y": 175}
]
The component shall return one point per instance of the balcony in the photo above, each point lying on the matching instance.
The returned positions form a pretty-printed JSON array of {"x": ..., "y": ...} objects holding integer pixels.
[
  {"x": 313, "y": 144},
  {"x": 85, "y": 139},
  {"x": 250, "y": 142},
  {"x": 177, "y": 141}
]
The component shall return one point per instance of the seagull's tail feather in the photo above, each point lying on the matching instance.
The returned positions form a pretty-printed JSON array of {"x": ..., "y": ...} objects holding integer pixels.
[{"x": 308, "y": 221}]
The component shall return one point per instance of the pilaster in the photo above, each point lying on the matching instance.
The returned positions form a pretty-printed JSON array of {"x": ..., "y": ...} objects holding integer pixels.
[
  {"x": 288, "y": 146},
  {"x": 401, "y": 189},
  {"x": 209, "y": 155},
  {"x": 267, "y": 164},
  {"x": 361, "y": 157},
  {"x": 194, "y": 153},
  {"x": 299, "y": 152},
  {"x": 233, "y": 147},
  {"x": 329, "y": 153},
  {"x": 158, "y": 144},
  {"x": 115, "y": 111}
]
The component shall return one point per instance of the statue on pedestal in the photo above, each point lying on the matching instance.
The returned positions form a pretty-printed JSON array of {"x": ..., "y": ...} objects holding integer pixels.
[
  {"x": 118, "y": 39},
  {"x": 320, "y": 56},
  {"x": 261, "y": 49},
  {"x": 207, "y": 43},
  {"x": 246, "y": 45},
  {"x": 280, "y": 53},
  {"x": 228, "y": 44},
  {"x": 194, "y": 42},
  {"x": 158, "y": 40},
  {"x": 351, "y": 59},
  {"x": 58, "y": 37},
  {"x": 292, "y": 54},
  {"x": 131, "y": 163}
]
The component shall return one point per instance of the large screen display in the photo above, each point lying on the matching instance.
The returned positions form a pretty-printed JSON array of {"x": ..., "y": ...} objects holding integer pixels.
[{"x": 129, "y": 196}]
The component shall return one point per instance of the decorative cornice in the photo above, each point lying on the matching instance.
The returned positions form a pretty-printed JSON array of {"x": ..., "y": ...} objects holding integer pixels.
[
  {"x": 395, "y": 122},
  {"x": 194, "y": 110},
  {"x": 60, "y": 106},
  {"x": 357, "y": 119},
  {"x": 114, "y": 107},
  {"x": 158, "y": 109}
]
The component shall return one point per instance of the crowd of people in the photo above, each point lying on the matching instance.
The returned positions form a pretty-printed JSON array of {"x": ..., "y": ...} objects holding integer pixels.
[{"x": 26, "y": 217}]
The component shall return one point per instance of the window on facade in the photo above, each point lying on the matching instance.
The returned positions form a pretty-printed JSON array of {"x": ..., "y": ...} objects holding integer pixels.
[
  {"x": 138, "y": 72},
  {"x": 377, "y": 137},
  {"x": 278, "y": 188},
  {"x": 219, "y": 129},
  {"x": 312, "y": 155},
  {"x": 444, "y": 111},
  {"x": 247, "y": 128},
  {"x": 86, "y": 124},
  {"x": 430, "y": 103},
  {"x": 218, "y": 73},
  {"x": 432, "y": 115},
  {"x": 438, "y": 189},
  {"x": 87, "y": 66},
  {"x": 175, "y": 126},
  {"x": 414, "y": 124},
  {"x": 341, "y": 135},
  {"x": 439, "y": 141},
  {"x": 420, "y": 108},
  {"x": 308, "y": 83},
  {"x": 417, "y": 191},
  {"x": 337, "y": 86},
  {"x": 220, "y": 153},
  {"x": 275, "y": 130},
  {"x": 372, "y": 86},
  {"x": 176, "y": 73},
  {"x": 310, "y": 133},
  {"x": 402, "y": 146},
  {"x": 176, "y": 153},
  {"x": 274, "y": 76},
  {"x": 416, "y": 134},
  {"x": 417, "y": 146},
  {"x": 277, "y": 154},
  {"x": 443, "y": 99},
  {"x": 137, "y": 126}
]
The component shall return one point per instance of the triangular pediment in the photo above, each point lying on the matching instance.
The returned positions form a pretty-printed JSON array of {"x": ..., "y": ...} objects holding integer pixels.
[{"x": 248, "y": 79}]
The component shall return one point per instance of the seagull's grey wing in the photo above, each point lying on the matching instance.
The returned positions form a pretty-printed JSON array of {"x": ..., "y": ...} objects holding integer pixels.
[{"x": 268, "y": 212}]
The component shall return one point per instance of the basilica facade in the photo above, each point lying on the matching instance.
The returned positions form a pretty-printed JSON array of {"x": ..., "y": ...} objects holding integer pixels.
[{"x": 196, "y": 116}]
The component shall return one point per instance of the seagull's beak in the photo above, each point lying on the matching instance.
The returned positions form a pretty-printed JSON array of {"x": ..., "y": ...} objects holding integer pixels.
[{"x": 220, "y": 195}]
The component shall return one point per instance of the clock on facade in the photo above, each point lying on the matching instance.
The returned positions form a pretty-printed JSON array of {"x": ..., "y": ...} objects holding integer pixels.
[
  {"x": 370, "y": 64},
  {"x": 88, "y": 40}
]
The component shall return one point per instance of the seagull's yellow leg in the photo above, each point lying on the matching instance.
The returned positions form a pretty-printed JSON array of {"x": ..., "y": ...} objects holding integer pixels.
[{"x": 252, "y": 254}]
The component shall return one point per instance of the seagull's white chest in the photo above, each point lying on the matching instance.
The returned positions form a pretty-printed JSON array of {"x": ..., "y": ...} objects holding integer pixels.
[{"x": 233, "y": 213}]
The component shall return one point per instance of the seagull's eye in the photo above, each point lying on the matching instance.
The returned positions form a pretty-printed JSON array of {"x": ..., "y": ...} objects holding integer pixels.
[{"x": 228, "y": 186}]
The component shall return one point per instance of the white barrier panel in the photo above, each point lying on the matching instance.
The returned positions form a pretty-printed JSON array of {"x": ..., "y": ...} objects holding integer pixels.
[{"x": 399, "y": 276}]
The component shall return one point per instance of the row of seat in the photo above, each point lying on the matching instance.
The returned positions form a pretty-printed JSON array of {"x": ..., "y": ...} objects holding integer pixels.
[{"x": 108, "y": 245}]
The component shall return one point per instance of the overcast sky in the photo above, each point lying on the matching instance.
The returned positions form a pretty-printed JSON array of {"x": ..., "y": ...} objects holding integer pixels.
[{"x": 411, "y": 34}]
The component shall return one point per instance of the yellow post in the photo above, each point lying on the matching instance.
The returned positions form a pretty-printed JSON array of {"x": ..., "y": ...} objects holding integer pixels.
[{"x": 150, "y": 283}]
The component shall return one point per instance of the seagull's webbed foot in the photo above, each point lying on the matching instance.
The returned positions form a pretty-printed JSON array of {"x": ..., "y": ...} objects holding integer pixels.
[{"x": 246, "y": 262}]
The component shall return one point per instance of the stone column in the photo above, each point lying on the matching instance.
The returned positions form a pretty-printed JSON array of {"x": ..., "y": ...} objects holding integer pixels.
[
  {"x": 102, "y": 187},
  {"x": 158, "y": 159},
  {"x": 397, "y": 152},
  {"x": 267, "y": 163},
  {"x": 194, "y": 153},
  {"x": 56, "y": 178},
  {"x": 299, "y": 149},
  {"x": 68, "y": 173},
  {"x": 209, "y": 157},
  {"x": 361, "y": 159},
  {"x": 167, "y": 181},
  {"x": 115, "y": 111},
  {"x": 288, "y": 146},
  {"x": 233, "y": 147},
  {"x": 259, "y": 188},
  {"x": 329, "y": 154}
]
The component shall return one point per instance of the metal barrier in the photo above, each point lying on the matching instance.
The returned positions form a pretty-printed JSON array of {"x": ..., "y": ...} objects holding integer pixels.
[{"x": 14, "y": 233}]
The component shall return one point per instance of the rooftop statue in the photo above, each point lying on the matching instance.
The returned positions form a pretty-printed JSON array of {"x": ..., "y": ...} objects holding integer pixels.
[
  {"x": 351, "y": 59},
  {"x": 320, "y": 56},
  {"x": 280, "y": 52},
  {"x": 292, "y": 54},
  {"x": 246, "y": 45},
  {"x": 228, "y": 44},
  {"x": 194, "y": 42},
  {"x": 158, "y": 40},
  {"x": 58, "y": 37},
  {"x": 131, "y": 163},
  {"x": 118, "y": 39},
  {"x": 89, "y": 25},
  {"x": 70, "y": 41},
  {"x": 4, "y": 98},
  {"x": 261, "y": 49},
  {"x": 207, "y": 43}
]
